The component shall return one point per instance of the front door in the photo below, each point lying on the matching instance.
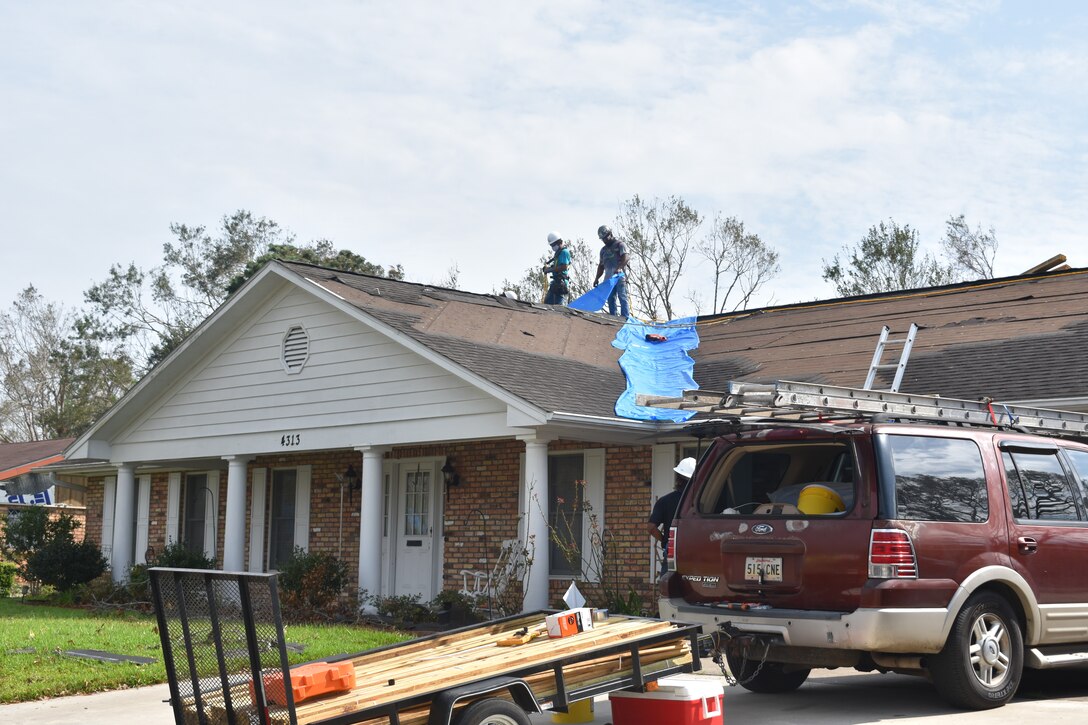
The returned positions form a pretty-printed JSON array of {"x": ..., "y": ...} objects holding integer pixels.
[{"x": 414, "y": 532}]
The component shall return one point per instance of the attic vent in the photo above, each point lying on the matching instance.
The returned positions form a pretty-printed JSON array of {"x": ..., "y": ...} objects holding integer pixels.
[{"x": 296, "y": 349}]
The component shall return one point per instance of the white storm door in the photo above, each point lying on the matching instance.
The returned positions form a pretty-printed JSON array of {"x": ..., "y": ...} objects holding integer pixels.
[{"x": 415, "y": 525}]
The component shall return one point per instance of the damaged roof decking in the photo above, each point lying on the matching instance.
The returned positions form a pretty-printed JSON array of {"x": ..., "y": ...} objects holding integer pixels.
[
  {"x": 1019, "y": 338},
  {"x": 553, "y": 357}
]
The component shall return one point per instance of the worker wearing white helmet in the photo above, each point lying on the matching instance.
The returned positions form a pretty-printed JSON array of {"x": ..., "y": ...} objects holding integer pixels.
[
  {"x": 559, "y": 268},
  {"x": 664, "y": 510}
]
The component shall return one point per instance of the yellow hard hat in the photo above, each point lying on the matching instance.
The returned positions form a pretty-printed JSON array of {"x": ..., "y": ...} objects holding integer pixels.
[{"x": 816, "y": 498}]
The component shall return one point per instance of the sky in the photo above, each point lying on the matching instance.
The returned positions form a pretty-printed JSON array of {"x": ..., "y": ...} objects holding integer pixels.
[{"x": 443, "y": 134}]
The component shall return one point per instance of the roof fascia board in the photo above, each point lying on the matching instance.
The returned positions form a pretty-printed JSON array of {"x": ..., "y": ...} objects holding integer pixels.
[
  {"x": 240, "y": 299},
  {"x": 427, "y": 353}
]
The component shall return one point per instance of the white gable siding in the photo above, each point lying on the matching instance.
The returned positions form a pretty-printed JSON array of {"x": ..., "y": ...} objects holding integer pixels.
[{"x": 353, "y": 377}]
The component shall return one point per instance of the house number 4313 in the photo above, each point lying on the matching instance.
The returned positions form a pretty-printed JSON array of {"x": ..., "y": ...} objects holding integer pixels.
[{"x": 289, "y": 440}]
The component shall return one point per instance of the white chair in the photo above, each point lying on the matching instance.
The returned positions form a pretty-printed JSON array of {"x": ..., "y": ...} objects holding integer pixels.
[{"x": 486, "y": 587}]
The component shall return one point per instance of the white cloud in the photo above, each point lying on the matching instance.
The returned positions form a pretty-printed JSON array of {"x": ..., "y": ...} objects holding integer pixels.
[{"x": 432, "y": 132}]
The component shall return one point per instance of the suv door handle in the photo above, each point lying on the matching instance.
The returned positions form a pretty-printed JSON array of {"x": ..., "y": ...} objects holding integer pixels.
[{"x": 1027, "y": 545}]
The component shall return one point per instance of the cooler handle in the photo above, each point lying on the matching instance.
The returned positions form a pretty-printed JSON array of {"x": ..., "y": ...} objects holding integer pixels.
[{"x": 710, "y": 711}]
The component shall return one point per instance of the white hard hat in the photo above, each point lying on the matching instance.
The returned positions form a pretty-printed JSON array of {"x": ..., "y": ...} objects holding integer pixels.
[
  {"x": 553, "y": 238},
  {"x": 685, "y": 467}
]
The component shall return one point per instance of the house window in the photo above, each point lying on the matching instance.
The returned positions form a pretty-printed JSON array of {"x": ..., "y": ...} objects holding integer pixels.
[
  {"x": 281, "y": 517},
  {"x": 417, "y": 497},
  {"x": 196, "y": 505},
  {"x": 567, "y": 515}
]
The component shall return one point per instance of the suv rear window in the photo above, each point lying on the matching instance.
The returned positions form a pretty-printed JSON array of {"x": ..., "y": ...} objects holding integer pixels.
[
  {"x": 933, "y": 479},
  {"x": 772, "y": 478}
]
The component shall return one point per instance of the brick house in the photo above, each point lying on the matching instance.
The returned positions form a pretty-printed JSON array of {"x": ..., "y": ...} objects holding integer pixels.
[{"x": 411, "y": 430}]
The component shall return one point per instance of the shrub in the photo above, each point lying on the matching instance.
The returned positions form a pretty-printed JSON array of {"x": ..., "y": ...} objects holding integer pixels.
[
  {"x": 31, "y": 529},
  {"x": 311, "y": 579},
  {"x": 176, "y": 555},
  {"x": 64, "y": 564},
  {"x": 404, "y": 610},
  {"x": 7, "y": 577}
]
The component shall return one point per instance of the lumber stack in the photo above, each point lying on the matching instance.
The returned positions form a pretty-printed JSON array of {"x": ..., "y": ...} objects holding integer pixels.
[{"x": 424, "y": 667}]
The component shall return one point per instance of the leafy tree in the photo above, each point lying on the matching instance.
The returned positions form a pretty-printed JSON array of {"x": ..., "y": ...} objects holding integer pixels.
[
  {"x": 658, "y": 234},
  {"x": 886, "y": 259},
  {"x": 742, "y": 262},
  {"x": 970, "y": 253},
  {"x": 153, "y": 311},
  {"x": 321, "y": 253},
  {"x": 55, "y": 378}
]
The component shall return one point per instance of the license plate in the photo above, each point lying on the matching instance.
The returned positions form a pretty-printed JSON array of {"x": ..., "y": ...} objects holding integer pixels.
[{"x": 770, "y": 566}]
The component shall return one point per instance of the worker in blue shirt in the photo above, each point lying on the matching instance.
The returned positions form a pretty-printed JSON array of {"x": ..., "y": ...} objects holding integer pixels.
[{"x": 559, "y": 268}]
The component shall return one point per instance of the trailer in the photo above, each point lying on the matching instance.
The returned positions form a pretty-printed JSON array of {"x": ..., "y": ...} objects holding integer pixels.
[{"x": 227, "y": 662}]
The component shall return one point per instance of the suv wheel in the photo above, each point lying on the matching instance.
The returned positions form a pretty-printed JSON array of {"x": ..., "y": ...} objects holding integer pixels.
[
  {"x": 981, "y": 663},
  {"x": 765, "y": 677}
]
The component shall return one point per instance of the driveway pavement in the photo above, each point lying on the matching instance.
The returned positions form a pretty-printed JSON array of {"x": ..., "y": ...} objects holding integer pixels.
[{"x": 830, "y": 697}]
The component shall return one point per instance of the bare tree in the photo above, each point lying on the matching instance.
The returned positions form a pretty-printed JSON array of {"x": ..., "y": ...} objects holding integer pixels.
[
  {"x": 742, "y": 262},
  {"x": 658, "y": 234},
  {"x": 971, "y": 253},
  {"x": 55, "y": 379}
]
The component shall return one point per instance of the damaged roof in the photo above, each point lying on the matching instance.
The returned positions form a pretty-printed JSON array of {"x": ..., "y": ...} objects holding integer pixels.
[
  {"x": 1014, "y": 338},
  {"x": 554, "y": 357}
]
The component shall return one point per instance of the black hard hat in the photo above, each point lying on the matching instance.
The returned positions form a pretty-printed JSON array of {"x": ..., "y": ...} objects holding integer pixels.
[{"x": 604, "y": 231}]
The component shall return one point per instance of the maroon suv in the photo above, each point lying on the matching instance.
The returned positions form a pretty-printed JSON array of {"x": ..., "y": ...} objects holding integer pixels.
[{"x": 955, "y": 552}]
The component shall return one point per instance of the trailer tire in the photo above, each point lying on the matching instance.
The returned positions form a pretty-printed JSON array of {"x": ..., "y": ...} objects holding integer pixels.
[{"x": 493, "y": 711}]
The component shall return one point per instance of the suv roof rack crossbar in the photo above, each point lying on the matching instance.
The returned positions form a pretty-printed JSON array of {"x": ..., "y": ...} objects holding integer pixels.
[{"x": 800, "y": 401}]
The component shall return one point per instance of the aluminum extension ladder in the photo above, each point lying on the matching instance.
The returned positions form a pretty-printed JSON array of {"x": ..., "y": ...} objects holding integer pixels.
[
  {"x": 813, "y": 401},
  {"x": 900, "y": 367}
]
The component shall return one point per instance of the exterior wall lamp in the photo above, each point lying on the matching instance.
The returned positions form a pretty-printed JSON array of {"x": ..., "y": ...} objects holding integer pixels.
[
  {"x": 450, "y": 477},
  {"x": 353, "y": 482}
]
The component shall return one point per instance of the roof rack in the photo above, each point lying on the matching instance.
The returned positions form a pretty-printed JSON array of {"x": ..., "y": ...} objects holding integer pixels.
[{"x": 807, "y": 401}]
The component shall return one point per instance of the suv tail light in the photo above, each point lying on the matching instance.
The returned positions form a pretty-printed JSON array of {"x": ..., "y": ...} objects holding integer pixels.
[
  {"x": 670, "y": 550},
  {"x": 891, "y": 555}
]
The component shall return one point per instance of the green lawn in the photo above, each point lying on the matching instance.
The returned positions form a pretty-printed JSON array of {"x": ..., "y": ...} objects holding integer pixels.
[{"x": 45, "y": 672}]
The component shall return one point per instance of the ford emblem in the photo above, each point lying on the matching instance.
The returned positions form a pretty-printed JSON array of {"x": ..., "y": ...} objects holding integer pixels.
[{"x": 762, "y": 529}]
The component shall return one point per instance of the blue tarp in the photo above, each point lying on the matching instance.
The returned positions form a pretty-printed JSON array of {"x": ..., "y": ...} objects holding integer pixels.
[
  {"x": 656, "y": 368},
  {"x": 596, "y": 298}
]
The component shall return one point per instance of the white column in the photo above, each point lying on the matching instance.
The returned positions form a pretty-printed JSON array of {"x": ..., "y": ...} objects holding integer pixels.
[
  {"x": 124, "y": 518},
  {"x": 234, "y": 534},
  {"x": 371, "y": 502},
  {"x": 534, "y": 514}
]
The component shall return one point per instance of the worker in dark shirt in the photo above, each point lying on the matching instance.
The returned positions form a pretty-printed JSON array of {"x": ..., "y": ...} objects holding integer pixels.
[{"x": 664, "y": 510}]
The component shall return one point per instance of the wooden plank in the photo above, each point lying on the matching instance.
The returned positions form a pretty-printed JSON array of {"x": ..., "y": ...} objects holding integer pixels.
[{"x": 415, "y": 669}]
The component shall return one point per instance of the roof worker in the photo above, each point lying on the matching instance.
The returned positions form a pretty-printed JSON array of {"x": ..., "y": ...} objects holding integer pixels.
[
  {"x": 613, "y": 261},
  {"x": 559, "y": 268},
  {"x": 664, "y": 510}
]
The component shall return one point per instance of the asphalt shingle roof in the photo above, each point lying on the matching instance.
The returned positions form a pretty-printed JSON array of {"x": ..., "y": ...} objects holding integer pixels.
[{"x": 1013, "y": 338}]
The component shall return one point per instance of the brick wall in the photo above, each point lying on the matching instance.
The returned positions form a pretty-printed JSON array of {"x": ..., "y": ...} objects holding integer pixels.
[{"x": 479, "y": 514}]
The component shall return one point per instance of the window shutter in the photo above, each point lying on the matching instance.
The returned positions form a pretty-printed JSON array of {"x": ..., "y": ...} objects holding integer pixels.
[
  {"x": 256, "y": 519},
  {"x": 302, "y": 507},
  {"x": 143, "y": 517},
  {"x": 211, "y": 518},
  {"x": 109, "y": 500},
  {"x": 173, "y": 507}
]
